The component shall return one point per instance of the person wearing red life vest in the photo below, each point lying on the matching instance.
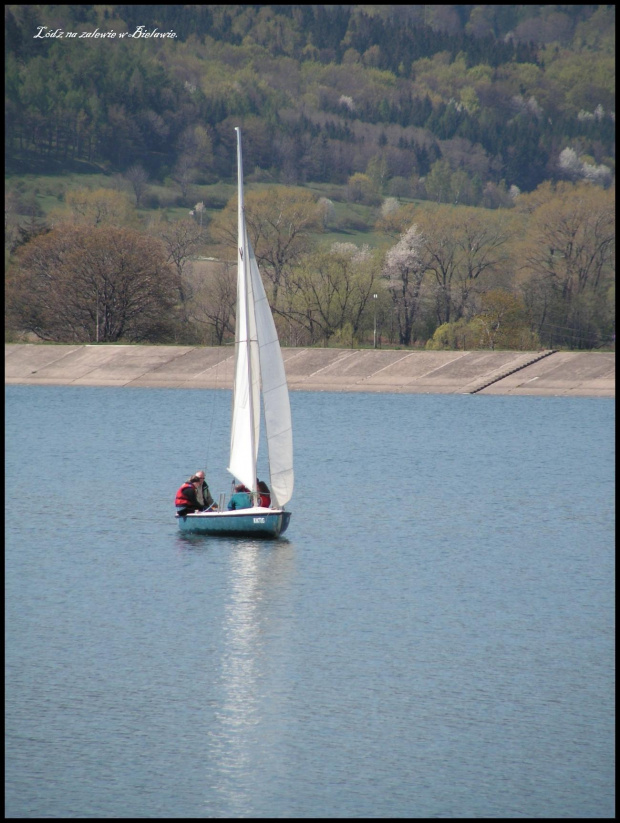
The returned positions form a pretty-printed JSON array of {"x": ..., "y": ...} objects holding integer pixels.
[
  {"x": 264, "y": 493},
  {"x": 186, "y": 500}
]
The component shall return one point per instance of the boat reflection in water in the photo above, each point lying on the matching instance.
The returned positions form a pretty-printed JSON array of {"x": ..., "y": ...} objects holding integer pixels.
[{"x": 247, "y": 736}]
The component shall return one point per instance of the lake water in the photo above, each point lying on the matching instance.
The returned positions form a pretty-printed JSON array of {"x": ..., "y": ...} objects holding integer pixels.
[{"x": 433, "y": 637}]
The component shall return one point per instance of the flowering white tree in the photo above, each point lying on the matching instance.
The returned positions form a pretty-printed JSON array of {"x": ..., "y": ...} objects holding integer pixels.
[
  {"x": 570, "y": 164},
  {"x": 574, "y": 169},
  {"x": 601, "y": 175},
  {"x": 327, "y": 211},
  {"x": 404, "y": 270},
  {"x": 357, "y": 254},
  {"x": 199, "y": 209},
  {"x": 389, "y": 206}
]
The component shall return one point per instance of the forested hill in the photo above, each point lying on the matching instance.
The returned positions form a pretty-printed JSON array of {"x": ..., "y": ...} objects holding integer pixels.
[{"x": 419, "y": 98}]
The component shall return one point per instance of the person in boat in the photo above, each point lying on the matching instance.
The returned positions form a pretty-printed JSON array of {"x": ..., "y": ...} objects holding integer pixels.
[
  {"x": 241, "y": 499},
  {"x": 265, "y": 494},
  {"x": 203, "y": 495},
  {"x": 186, "y": 500}
]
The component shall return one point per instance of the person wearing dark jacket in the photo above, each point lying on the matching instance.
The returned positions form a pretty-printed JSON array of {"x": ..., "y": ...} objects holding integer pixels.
[
  {"x": 186, "y": 500},
  {"x": 203, "y": 495}
]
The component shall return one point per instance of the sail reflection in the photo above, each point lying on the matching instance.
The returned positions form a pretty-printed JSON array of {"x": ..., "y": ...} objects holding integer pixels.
[{"x": 259, "y": 578}]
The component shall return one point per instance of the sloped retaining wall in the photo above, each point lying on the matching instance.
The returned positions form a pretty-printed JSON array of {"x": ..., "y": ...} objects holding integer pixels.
[{"x": 359, "y": 370}]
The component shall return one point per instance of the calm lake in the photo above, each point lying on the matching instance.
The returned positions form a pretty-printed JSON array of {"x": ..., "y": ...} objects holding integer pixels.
[{"x": 433, "y": 637}]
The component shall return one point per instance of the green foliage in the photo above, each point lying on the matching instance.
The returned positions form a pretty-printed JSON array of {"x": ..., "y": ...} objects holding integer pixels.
[
  {"x": 361, "y": 189},
  {"x": 320, "y": 90},
  {"x": 462, "y": 334},
  {"x": 351, "y": 103},
  {"x": 504, "y": 323}
]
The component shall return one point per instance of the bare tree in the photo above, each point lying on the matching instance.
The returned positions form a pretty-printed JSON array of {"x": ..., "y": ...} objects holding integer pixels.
[
  {"x": 460, "y": 246},
  {"x": 482, "y": 251},
  {"x": 182, "y": 241},
  {"x": 185, "y": 173},
  {"x": 87, "y": 284},
  {"x": 139, "y": 180},
  {"x": 213, "y": 300},
  {"x": 280, "y": 221}
]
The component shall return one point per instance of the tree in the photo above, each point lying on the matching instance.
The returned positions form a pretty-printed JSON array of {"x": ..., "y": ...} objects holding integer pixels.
[
  {"x": 196, "y": 148},
  {"x": 466, "y": 251},
  {"x": 332, "y": 292},
  {"x": 438, "y": 182},
  {"x": 280, "y": 222},
  {"x": 361, "y": 189},
  {"x": 569, "y": 266},
  {"x": 92, "y": 284},
  {"x": 98, "y": 207},
  {"x": 184, "y": 175},
  {"x": 327, "y": 211},
  {"x": 139, "y": 181},
  {"x": 16, "y": 231},
  {"x": 378, "y": 171},
  {"x": 404, "y": 270},
  {"x": 198, "y": 212},
  {"x": 503, "y": 322},
  {"x": 182, "y": 240},
  {"x": 461, "y": 335},
  {"x": 213, "y": 298},
  {"x": 395, "y": 222}
]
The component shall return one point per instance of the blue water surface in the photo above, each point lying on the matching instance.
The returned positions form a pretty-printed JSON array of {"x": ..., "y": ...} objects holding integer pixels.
[{"x": 433, "y": 637}]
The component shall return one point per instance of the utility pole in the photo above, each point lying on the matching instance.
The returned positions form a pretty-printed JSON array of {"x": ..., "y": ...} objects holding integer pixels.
[{"x": 374, "y": 301}]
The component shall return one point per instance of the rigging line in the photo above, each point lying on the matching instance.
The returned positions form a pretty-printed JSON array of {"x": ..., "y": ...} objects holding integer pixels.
[
  {"x": 215, "y": 392},
  {"x": 265, "y": 438}
]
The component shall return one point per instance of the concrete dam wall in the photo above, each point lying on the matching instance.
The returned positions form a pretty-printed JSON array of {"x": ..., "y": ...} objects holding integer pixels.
[{"x": 588, "y": 374}]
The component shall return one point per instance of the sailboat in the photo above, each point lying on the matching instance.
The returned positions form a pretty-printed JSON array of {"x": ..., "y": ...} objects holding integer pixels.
[{"x": 259, "y": 373}]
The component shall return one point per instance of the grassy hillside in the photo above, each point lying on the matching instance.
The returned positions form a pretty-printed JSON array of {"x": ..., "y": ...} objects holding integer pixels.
[{"x": 43, "y": 197}]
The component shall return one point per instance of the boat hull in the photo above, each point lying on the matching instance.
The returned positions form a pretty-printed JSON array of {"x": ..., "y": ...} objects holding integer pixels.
[{"x": 255, "y": 522}]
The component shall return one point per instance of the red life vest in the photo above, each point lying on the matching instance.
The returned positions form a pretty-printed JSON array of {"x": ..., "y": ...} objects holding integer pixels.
[
  {"x": 265, "y": 500},
  {"x": 181, "y": 499}
]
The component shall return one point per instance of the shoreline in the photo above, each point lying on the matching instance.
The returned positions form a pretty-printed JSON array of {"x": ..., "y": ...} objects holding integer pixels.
[{"x": 538, "y": 373}]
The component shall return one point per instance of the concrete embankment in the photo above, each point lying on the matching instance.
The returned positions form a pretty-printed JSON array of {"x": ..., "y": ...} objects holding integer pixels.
[{"x": 360, "y": 370}]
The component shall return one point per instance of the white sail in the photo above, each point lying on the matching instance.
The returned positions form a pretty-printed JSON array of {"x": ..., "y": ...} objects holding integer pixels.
[
  {"x": 276, "y": 405},
  {"x": 245, "y": 428},
  {"x": 258, "y": 365}
]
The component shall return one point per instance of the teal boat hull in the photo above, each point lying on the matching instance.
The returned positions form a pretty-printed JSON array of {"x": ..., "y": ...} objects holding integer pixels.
[{"x": 257, "y": 522}]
